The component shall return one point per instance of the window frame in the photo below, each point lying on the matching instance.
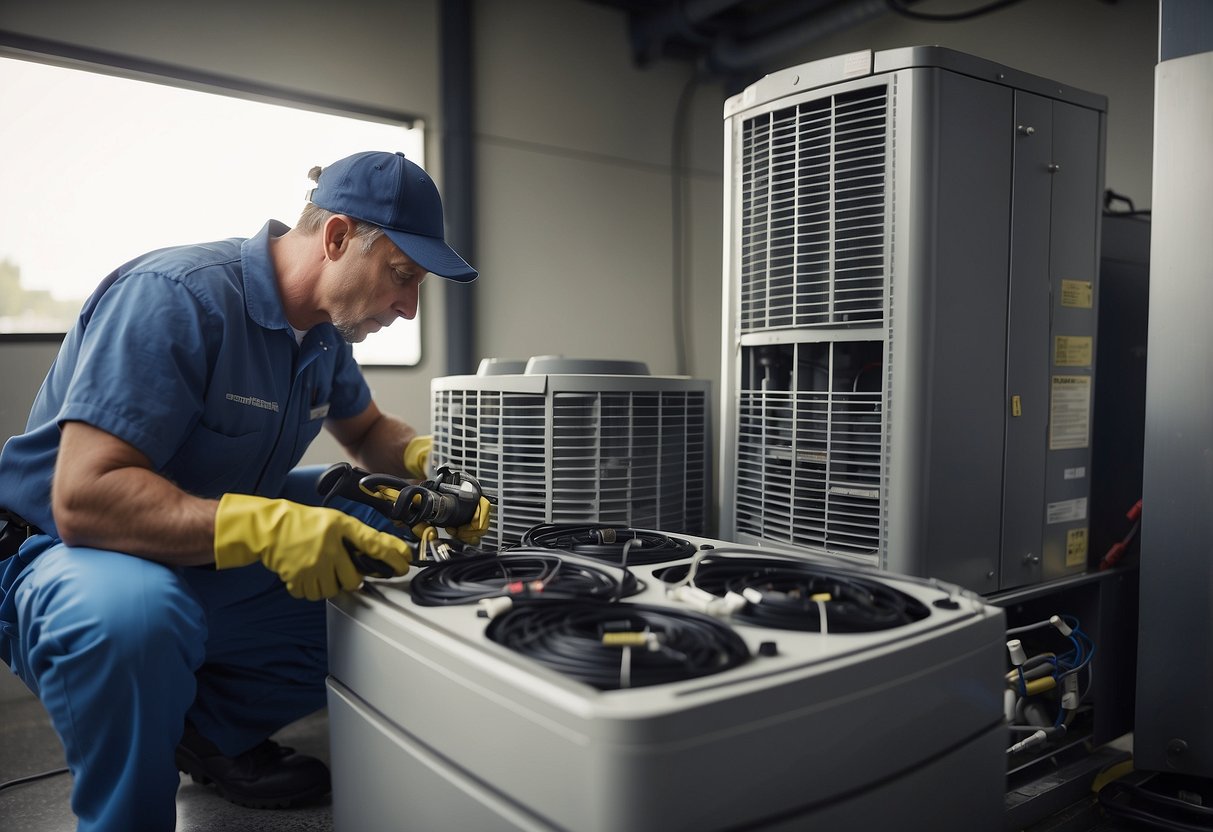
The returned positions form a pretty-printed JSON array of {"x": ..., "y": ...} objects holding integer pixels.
[{"x": 70, "y": 56}]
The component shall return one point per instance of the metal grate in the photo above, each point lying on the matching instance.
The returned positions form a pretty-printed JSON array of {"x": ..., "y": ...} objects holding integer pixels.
[
  {"x": 631, "y": 458},
  {"x": 499, "y": 438},
  {"x": 813, "y": 213},
  {"x": 809, "y": 449}
]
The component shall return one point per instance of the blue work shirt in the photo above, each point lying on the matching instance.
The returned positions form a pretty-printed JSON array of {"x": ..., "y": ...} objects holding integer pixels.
[{"x": 186, "y": 354}]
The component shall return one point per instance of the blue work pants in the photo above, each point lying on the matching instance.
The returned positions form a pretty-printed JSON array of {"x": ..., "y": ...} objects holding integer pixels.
[{"x": 121, "y": 650}]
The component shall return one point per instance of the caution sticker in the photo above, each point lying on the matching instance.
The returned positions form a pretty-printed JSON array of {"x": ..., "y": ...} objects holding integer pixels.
[
  {"x": 1076, "y": 547},
  {"x": 1079, "y": 294},
  {"x": 1073, "y": 350},
  {"x": 1066, "y": 511},
  {"x": 1070, "y": 412}
]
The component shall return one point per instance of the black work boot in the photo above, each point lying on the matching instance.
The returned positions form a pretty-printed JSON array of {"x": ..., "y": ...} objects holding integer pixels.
[{"x": 267, "y": 776}]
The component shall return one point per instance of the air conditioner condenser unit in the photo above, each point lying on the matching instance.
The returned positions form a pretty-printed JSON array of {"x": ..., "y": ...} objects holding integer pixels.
[
  {"x": 561, "y": 440},
  {"x": 911, "y": 261}
]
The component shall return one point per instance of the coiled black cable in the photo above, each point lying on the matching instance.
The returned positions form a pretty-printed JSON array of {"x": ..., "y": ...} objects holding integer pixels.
[
  {"x": 794, "y": 596},
  {"x": 657, "y": 644},
  {"x": 515, "y": 574},
  {"x": 606, "y": 543}
]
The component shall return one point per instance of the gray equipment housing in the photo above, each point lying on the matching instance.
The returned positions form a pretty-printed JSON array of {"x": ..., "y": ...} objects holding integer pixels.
[
  {"x": 910, "y": 297},
  {"x": 1173, "y": 731},
  {"x": 434, "y": 726},
  {"x": 566, "y": 440}
]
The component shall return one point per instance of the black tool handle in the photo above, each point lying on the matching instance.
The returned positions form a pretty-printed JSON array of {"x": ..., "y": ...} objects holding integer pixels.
[{"x": 366, "y": 564}]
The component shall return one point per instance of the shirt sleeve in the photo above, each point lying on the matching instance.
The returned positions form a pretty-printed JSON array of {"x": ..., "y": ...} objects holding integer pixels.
[
  {"x": 143, "y": 364},
  {"x": 351, "y": 395}
]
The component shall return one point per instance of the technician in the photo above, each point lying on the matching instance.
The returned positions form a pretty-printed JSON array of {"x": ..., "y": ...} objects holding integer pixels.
[{"x": 165, "y": 599}]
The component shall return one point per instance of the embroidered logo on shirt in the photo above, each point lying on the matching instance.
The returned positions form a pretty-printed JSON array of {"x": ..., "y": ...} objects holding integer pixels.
[{"x": 254, "y": 401}]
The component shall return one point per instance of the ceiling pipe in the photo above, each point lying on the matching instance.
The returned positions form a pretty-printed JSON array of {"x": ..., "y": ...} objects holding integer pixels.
[
  {"x": 699, "y": 11},
  {"x": 777, "y": 17},
  {"x": 458, "y": 177},
  {"x": 733, "y": 42},
  {"x": 650, "y": 32},
  {"x": 728, "y": 55}
]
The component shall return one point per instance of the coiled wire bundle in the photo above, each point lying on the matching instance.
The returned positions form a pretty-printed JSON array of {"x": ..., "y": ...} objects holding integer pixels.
[
  {"x": 788, "y": 595},
  {"x": 617, "y": 646},
  {"x": 607, "y": 543},
  {"x": 516, "y": 574}
]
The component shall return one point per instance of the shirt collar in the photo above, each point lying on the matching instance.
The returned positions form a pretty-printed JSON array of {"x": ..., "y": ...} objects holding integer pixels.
[{"x": 261, "y": 297}]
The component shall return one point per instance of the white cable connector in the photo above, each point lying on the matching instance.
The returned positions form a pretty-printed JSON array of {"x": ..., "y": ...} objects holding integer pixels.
[
  {"x": 1033, "y": 739},
  {"x": 692, "y": 596},
  {"x": 706, "y": 602},
  {"x": 627, "y": 547},
  {"x": 1018, "y": 656},
  {"x": 1069, "y": 695},
  {"x": 752, "y": 595},
  {"x": 1062, "y": 627},
  {"x": 725, "y": 606},
  {"x": 732, "y": 602}
]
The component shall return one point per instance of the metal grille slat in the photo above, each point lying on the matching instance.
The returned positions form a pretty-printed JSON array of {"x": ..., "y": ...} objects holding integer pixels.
[
  {"x": 812, "y": 203},
  {"x": 810, "y": 459},
  {"x": 625, "y": 457}
]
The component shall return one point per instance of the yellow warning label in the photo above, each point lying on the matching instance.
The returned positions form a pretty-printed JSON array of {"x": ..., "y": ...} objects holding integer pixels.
[
  {"x": 1070, "y": 412},
  {"x": 1016, "y": 406},
  {"x": 1073, "y": 350},
  {"x": 1076, "y": 547},
  {"x": 1077, "y": 293}
]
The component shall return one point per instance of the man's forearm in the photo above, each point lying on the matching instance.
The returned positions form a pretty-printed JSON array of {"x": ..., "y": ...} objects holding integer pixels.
[
  {"x": 375, "y": 440},
  {"x": 382, "y": 450},
  {"x": 102, "y": 496}
]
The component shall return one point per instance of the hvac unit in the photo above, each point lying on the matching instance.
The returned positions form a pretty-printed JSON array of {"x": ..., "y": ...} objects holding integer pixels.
[
  {"x": 657, "y": 698},
  {"x": 561, "y": 440},
  {"x": 909, "y": 315}
]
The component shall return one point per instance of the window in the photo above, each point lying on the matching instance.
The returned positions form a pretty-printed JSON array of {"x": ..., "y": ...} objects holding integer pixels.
[{"x": 98, "y": 169}]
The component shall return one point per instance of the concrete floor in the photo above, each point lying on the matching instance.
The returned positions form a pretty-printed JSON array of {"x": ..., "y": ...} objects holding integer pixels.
[{"x": 29, "y": 745}]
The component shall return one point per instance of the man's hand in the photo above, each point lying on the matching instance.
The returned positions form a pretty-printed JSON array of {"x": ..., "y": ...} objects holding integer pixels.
[
  {"x": 309, "y": 547},
  {"x": 417, "y": 456},
  {"x": 474, "y": 529}
]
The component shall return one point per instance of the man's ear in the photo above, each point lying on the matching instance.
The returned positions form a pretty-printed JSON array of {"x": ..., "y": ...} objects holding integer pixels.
[{"x": 337, "y": 232}]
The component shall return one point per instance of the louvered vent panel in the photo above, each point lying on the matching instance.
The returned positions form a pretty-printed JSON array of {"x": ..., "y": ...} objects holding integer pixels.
[
  {"x": 499, "y": 438},
  {"x": 809, "y": 450},
  {"x": 635, "y": 458},
  {"x": 631, "y": 458},
  {"x": 813, "y": 213}
]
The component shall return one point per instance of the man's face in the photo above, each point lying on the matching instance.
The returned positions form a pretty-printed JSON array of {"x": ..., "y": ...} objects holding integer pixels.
[{"x": 369, "y": 290}]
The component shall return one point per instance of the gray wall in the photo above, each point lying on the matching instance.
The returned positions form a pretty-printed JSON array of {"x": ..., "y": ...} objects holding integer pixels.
[{"x": 572, "y": 146}]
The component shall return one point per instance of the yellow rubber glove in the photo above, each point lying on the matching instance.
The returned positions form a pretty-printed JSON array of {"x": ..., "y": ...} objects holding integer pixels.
[
  {"x": 474, "y": 529},
  {"x": 417, "y": 456},
  {"x": 305, "y": 545}
]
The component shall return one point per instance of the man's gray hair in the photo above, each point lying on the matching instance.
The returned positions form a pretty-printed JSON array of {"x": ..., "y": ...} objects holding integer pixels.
[{"x": 314, "y": 217}]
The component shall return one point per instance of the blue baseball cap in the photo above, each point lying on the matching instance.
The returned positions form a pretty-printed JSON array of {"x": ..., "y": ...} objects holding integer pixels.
[{"x": 387, "y": 190}]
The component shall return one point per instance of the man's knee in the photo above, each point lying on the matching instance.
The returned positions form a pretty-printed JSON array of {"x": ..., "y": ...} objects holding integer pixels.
[{"x": 112, "y": 605}]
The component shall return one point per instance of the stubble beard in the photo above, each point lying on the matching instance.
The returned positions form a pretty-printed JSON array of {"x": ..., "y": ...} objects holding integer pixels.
[{"x": 351, "y": 334}]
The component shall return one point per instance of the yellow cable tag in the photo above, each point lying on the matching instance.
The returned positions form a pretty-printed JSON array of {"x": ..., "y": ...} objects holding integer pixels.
[
  {"x": 821, "y": 596},
  {"x": 625, "y": 639}
]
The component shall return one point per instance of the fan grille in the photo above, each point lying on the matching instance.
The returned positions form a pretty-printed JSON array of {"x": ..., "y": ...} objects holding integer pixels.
[
  {"x": 635, "y": 458},
  {"x": 813, "y": 213},
  {"x": 810, "y": 446}
]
